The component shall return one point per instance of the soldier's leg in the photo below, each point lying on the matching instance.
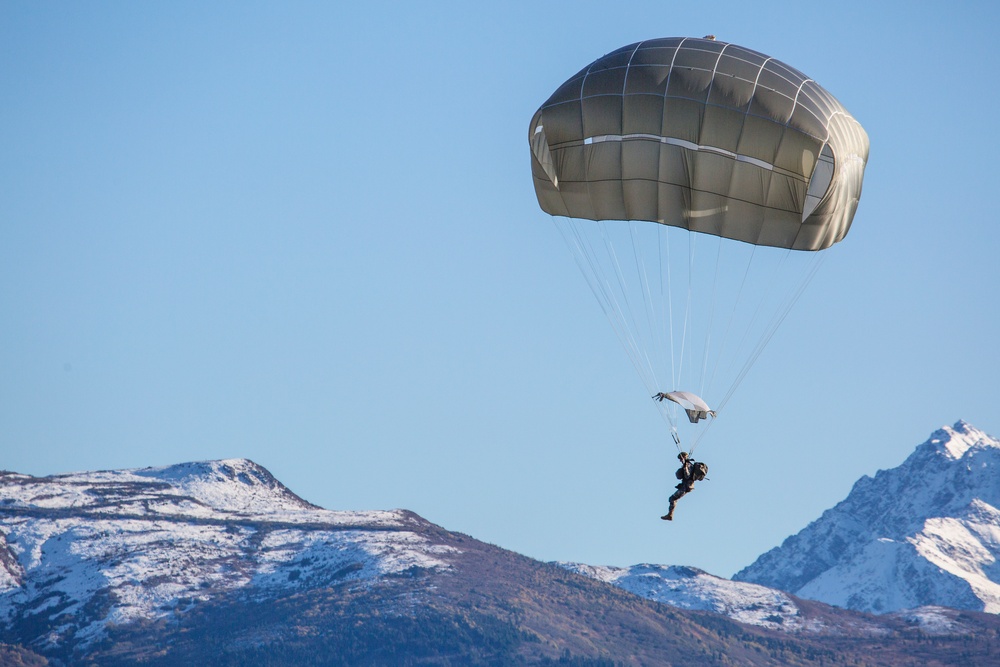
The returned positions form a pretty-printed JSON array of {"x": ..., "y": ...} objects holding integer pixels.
[{"x": 669, "y": 516}]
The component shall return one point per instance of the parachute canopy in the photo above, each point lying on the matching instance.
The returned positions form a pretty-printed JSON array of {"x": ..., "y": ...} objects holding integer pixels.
[
  {"x": 704, "y": 135},
  {"x": 699, "y": 136}
]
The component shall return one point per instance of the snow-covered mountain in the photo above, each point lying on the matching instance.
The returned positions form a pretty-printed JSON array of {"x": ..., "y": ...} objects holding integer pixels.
[
  {"x": 924, "y": 533},
  {"x": 131, "y": 545},
  {"x": 691, "y": 588}
]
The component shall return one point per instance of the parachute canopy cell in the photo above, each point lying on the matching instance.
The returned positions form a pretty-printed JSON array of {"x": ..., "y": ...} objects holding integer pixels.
[{"x": 704, "y": 135}]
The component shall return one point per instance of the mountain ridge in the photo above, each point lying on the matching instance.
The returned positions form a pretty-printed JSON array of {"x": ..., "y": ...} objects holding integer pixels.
[{"x": 925, "y": 532}]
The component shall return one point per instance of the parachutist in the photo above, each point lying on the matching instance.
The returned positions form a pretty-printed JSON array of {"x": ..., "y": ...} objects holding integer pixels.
[
  {"x": 691, "y": 471},
  {"x": 660, "y": 397}
]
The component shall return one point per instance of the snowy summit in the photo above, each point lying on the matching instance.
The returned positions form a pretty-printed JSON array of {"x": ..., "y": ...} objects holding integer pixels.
[
  {"x": 924, "y": 533},
  {"x": 142, "y": 544}
]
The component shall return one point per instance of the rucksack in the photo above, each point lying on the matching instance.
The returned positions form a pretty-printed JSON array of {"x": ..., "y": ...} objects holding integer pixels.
[{"x": 699, "y": 471}]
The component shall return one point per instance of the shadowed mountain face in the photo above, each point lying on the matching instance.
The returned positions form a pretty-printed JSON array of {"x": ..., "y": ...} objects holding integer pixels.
[
  {"x": 924, "y": 533},
  {"x": 217, "y": 563}
]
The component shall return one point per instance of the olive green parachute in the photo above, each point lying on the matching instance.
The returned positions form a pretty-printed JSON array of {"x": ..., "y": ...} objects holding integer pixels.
[
  {"x": 704, "y": 135},
  {"x": 698, "y": 135}
]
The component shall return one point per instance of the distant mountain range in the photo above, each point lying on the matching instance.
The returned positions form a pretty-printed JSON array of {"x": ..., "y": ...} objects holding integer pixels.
[{"x": 217, "y": 563}]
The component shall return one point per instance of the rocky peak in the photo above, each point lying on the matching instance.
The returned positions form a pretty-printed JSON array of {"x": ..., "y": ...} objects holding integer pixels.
[{"x": 925, "y": 532}]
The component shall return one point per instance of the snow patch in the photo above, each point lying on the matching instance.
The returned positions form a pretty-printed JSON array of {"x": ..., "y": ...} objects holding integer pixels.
[
  {"x": 691, "y": 588},
  {"x": 155, "y": 540},
  {"x": 932, "y": 620}
]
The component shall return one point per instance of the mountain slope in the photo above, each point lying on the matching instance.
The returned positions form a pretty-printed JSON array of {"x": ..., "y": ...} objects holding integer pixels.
[
  {"x": 691, "y": 588},
  {"x": 82, "y": 552},
  {"x": 924, "y": 533}
]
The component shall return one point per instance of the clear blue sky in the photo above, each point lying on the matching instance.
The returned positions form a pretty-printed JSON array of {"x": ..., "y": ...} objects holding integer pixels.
[{"x": 306, "y": 234}]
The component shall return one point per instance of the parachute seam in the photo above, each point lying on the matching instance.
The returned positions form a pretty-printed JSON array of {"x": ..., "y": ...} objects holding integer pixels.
[
  {"x": 670, "y": 72},
  {"x": 708, "y": 95},
  {"x": 628, "y": 66},
  {"x": 795, "y": 103},
  {"x": 753, "y": 93}
]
